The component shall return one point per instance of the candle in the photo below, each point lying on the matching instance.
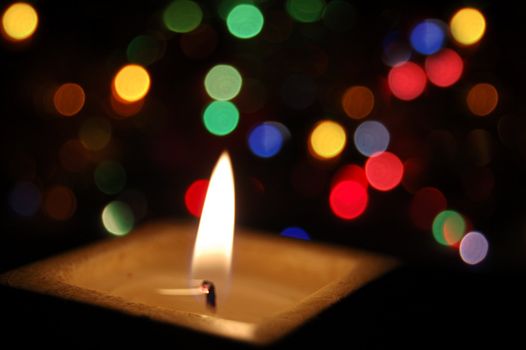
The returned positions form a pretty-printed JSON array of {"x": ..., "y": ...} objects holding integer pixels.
[{"x": 264, "y": 286}]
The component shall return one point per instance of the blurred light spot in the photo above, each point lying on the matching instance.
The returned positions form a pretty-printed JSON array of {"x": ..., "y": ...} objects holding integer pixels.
[
  {"x": 348, "y": 199},
  {"x": 426, "y": 204},
  {"x": 223, "y": 82},
  {"x": 182, "y": 16},
  {"x": 479, "y": 147},
  {"x": 117, "y": 218},
  {"x": 338, "y": 15},
  {"x": 69, "y": 99},
  {"x": 295, "y": 232},
  {"x": 371, "y": 137},
  {"x": 73, "y": 156},
  {"x": 95, "y": 133},
  {"x": 194, "y": 197},
  {"x": 444, "y": 68},
  {"x": 60, "y": 203},
  {"x": 427, "y": 37},
  {"x": 467, "y": 26},
  {"x": 306, "y": 11},
  {"x": 19, "y": 21},
  {"x": 473, "y": 248},
  {"x": 199, "y": 43},
  {"x": 407, "y": 81},
  {"x": 253, "y": 96},
  {"x": 110, "y": 177},
  {"x": 327, "y": 139},
  {"x": 125, "y": 109},
  {"x": 245, "y": 21},
  {"x": 266, "y": 140},
  {"x": 131, "y": 83},
  {"x": 358, "y": 102},
  {"x": 221, "y": 117},
  {"x": 224, "y": 7},
  {"x": 395, "y": 50},
  {"x": 145, "y": 49},
  {"x": 24, "y": 199},
  {"x": 482, "y": 99},
  {"x": 384, "y": 171},
  {"x": 448, "y": 227},
  {"x": 298, "y": 91},
  {"x": 351, "y": 172}
]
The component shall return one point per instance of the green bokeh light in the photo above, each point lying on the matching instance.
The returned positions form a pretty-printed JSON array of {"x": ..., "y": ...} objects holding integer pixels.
[
  {"x": 144, "y": 50},
  {"x": 221, "y": 117},
  {"x": 182, "y": 16},
  {"x": 117, "y": 218},
  {"x": 245, "y": 21},
  {"x": 225, "y": 6},
  {"x": 223, "y": 82},
  {"x": 110, "y": 177},
  {"x": 306, "y": 11},
  {"x": 448, "y": 227}
]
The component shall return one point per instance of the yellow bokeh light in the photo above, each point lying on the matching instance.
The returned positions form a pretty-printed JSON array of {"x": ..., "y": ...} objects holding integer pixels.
[
  {"x": 468, "y": 26},
  {"x": 19, "y": 21},
  {"x": 327, "y": 140},
  {"x": 131, "y": 83}
]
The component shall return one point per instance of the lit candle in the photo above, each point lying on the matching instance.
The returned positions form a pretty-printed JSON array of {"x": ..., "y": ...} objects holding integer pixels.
[{"x": 264, "y": 286}]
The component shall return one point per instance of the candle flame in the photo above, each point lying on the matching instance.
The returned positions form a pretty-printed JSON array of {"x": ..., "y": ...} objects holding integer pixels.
[{"x": 212, "y": 255}]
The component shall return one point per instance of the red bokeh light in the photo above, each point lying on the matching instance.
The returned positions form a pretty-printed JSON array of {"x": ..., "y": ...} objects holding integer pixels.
[
  {"x": 427, "y": 203},
  {"x": 348, "y": 199},
  {"x": 407, "y": 81},
  {"x": 350, "y": 172},
  {"x": 384, "y": 171},
  {"x": 194, "y": 198},
  {"x": 444, "y": 68}
]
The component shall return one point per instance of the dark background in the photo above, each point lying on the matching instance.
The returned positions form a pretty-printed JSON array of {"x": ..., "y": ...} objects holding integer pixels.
[{"x": 435, "y": 296}]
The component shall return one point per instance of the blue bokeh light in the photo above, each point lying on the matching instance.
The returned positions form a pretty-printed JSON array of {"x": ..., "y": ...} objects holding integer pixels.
[
  {"x": 266, "y": 139},
  {"x": 25, "y": 199},
  {"x": 295, "y": 232},
  {"x": 371, "y": 137},
  {"x": 427, "y": 37}
]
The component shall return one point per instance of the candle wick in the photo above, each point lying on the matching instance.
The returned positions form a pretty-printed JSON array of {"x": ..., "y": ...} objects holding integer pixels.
[{"x": 210, "y": 291}]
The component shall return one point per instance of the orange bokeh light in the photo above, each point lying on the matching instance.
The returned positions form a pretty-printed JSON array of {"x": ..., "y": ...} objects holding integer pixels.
[{"x": 69, "y": 99}]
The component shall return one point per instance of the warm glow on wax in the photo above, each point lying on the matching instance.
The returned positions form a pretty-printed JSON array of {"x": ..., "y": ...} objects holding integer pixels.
[{"x": 213, "y": 246}]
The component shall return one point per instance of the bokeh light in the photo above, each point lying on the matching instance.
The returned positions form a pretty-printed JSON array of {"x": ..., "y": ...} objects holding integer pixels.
[
  {"x": 306, "y": 11},
  {"x": 351, "y": 172},
  {"x": 131, "y": 83},
  {"x": 448, "y": 227},
  {"x": 60, "y": 203},
  {"x": 427, "y": 37},
  {"x": 473, "y": 248},
  {"x": 348, "y": 199},
  {"x": 426, "y": 204},
  {"x": 223, "y": 82},
  {"x": 95, "y": 133},
  {"x": 117, "y": 218},
  {"x": 482, "y": 99},
  {"x": 245, "y": 21},
  {"x": 327, "y": 139},
  {"x": 371, "y": 137},
  {"x": 358, "y": 102},
  {"x": 384, "y": 171},
  {"x": 338, "y": 15},
  {"x": 24, "y": 199},
  {"x": 467, "y": 26},
  {"x": 19, "y": 21},
  {"x": 194, "y": 197},
  {"x": 407, "y": 81},
  {"x": 124, "y": 109},
  {"x": 444, "y": 68},
  {"x": 266, "y": 140},
  {"x": 145, "y": 49},
  {"x": 69, "y": 99},
  {"x": 295, "y": 232},
  {"x": 395, "y": 50},
  {"x": 221, "y": 118},
  {"x": 110, "y": 177},
  {"x": 182, "y": 16}
]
